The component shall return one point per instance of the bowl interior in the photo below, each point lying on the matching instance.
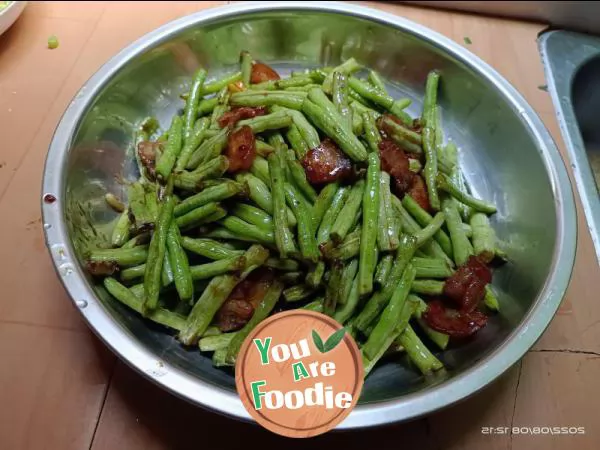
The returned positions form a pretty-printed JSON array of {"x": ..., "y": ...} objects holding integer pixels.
[{"x": 497, "y": 151}]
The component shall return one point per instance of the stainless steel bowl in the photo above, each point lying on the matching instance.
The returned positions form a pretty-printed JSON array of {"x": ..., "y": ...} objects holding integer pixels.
[{"x": 508, "y": 155}]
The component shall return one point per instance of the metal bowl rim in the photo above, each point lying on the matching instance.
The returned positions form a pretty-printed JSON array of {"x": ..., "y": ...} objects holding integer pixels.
[{"x": 224, "y": 401}]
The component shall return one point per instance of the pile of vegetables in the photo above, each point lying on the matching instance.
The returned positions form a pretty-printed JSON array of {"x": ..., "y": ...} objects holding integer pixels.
[{"x": 315, "y": 191}]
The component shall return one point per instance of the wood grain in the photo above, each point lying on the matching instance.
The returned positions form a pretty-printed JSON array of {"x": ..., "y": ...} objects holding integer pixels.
[{"x": 52, "y": 385}]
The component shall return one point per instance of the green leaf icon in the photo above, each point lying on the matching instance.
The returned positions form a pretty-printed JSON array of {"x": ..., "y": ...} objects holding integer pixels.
[
  {"x": 334, "y": 340},
  {"x": 318, "y": 341}
]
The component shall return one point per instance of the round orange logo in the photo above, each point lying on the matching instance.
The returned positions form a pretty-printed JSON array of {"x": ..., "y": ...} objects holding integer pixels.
[{"x": 299, "y": 373}]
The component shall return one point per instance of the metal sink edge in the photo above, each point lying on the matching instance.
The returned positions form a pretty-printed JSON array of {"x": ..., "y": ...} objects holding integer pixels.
[{"x": 563, "y": 54}]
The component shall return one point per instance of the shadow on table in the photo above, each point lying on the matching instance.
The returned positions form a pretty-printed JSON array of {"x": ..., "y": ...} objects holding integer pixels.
[{"x": 138, "y": 414}]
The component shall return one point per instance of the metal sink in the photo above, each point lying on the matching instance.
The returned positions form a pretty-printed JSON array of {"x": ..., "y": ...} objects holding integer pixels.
[{"x": 572, "y": 65}]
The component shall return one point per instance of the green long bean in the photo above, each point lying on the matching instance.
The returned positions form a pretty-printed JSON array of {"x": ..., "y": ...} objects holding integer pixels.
[
  {"x": 209, "y": 248},
  {"x": 348, "y": 213},
  {"x": 340, "y": 98},
  {"x": 368, "y": 239},
  {"x": 179, "y": 264},
  {"x": 215, "y": 294},
  {"x": 338, "y": 201},
  {"x": 167, "y": 160},
  {"x": 158, "y": 315},
  {"x": 461, "y": 246},
  {"x": 390, "y": 316},
  {"x": 191, "y": 105},
  {"x": 332, "y": 127},
  {"x": 283, "y": 236},
  {"x": 156, "y": 255},
  {"x": 444, "y": 183},
  {"x": 379, "y": 300},
  {"x": 306, "y": 235},
  {"x": 263, "y": 309}
]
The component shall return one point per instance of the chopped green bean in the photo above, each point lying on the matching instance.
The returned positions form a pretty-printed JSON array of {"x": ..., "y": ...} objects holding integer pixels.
[
  {"x": 347, "y": 141},
  {"x": 424, "y": 219},
  {"x": 296, "y": 141},
  {"x": 347, "y": 309},
  {"x": 283, "y": 83},
  {"x": 377, "y": 96},
  {"x": 348, "y": 275},
  {"x": 122, "y": 229},
  {"x": 371, "y": 132},
  {"x": 215, "y": 86},
  {"x": 390, "y": 316},
  {"x": 348, "y": 67},
  {"x": 246, "y": 67},
  {"x": 167, "y": 160},
  {"x": 383, "y": 270},
  {"x": 112, "y": 201},
  {"x": 368, "y": 239},
  {"x": 389, "y": 225},
  {"x": 209, "y": 248},
  {"x": 209, "y": 149},
  {"x": 215, "y": 294},
  {"x": 340, "y": 98},
  {"x": 379, "y": 300},
  {"x": 191, "y": 143},
  {"x": 306, "y": 234},
  {"x": 428, "y": 287},
  {"x": 241, "y": 228},
  {"x": 297, "y": 293},
  {"x": 346, "y": 216},
  {"x": 484, "y": 237},
  {"x": 198, "y": 216},
  {"x": 444, "y": 183},
  {"x": 433, "y": 227},
  {"x": 283, "y": 235},
  {"x": 261, "y": 312},
  {"x": 338, "y": 201},
  {"x": 127, "y": 297},
  {"x": 322, "y": 203},
  {"x": 299, "y": 179},
  {"x": 191, "y": 105},
  {"x": 156, "y": 255},
  {"x": 289, "y": 99},
  {"x": 490, "y": 300},
  {"x": 439, "y": 339},
  {"x": 122, "y": 257},
  {"x": 179, "y": 264},
  {"x": 221, "y": 191},
  {"x": 216, "y": 268},
  {"x": 418, "y": 352},
  {"x": 216, "y": 342},
  {"x": 333, "y": 289},
  {"x": 391, "y": 338},
  {"x": 461, "y": 246},
  {"x": 347, "y": 249},
  {"x": 315, "y": 275},
  {"x": 260, "y": 194},
  {"x": 254, "y": 216},
  {"x": 206, "y": 106},
  {"x": 376, "y": 81},
  {"x": 431, "y": 267}
]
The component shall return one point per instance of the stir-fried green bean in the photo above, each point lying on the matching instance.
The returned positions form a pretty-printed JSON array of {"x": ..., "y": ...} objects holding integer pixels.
[{"x": 292, "y": 185}]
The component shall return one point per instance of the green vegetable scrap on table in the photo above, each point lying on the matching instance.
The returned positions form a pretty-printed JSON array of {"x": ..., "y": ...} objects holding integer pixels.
[
  {"x": 52, "y": 42},
  {"x": 284, "y": 194}
]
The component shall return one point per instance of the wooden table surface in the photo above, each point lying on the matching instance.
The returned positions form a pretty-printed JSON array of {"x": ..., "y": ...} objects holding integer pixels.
[{"x": 61, "y": 389}]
